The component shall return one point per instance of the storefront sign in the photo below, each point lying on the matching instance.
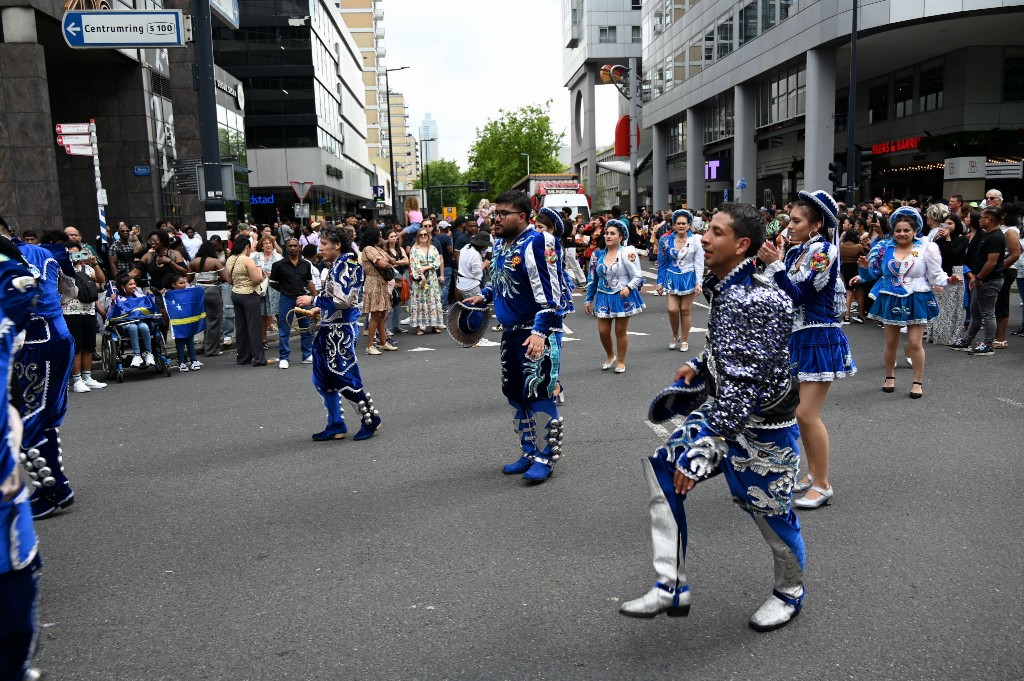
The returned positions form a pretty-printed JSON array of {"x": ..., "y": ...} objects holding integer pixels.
[
  {"x": 965, "y": 168},
  {"x": 907, "y": 144},
  {"x": 335, "y": 172},
  {"x": 257, "y": 200}
]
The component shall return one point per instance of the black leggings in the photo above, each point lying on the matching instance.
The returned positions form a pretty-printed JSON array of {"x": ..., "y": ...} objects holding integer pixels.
[{"x": 248, "y": 328}]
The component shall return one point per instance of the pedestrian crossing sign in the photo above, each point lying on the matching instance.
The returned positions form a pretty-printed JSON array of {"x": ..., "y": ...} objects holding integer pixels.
[{"x": 450, "y": 213}]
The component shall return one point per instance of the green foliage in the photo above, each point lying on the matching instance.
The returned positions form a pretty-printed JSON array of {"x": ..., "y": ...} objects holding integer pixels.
[
  {"x": 496, "y": 156},
  {"x": 440, "y": 172}
]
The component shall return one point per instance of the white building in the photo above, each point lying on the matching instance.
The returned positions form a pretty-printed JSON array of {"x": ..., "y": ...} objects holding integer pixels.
[
  {"x": 595, "y": 33},
  {"x": 428, "y": 132},
  {"x": 758, "y": 89}
]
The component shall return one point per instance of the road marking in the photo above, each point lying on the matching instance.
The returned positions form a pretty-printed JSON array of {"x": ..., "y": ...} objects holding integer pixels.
[
  {"x": 1013, "y": 403},
  {"x": 484, "y": 343},
  {"x": 420, "y": 350},
  {"x": 637, "y": 333},
  {"x": 569, "y": 340},
  {"x": 566, "y": 329},
  {"x": 661, "y": 431},
  {"x": 649, "y": 274}
]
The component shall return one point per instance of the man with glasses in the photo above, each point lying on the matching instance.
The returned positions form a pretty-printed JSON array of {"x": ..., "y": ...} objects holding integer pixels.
[{"x": 526, "y": 289}]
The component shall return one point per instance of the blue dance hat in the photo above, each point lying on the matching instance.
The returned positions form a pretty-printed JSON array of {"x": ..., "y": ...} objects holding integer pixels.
[
  {"x": 824, "y": 201},
  {"x": 467, "y": 324},
  {"x": 678, "y": 399},
  {"x": 907, "y": 211},
  {"x": 682, "y": 211},
  {"x": 555, "y": 218}
]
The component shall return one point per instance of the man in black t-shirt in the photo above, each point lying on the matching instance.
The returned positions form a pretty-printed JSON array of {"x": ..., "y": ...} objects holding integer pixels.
[{"x": 985, "y": 258}]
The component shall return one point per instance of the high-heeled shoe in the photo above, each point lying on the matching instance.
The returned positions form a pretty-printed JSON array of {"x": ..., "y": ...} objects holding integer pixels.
[
  {"x": 804, "y": 486},
  {"x": 917, "y": 396},
  {"x": 823, "y": 498},
  {"x": 889, "y": 388}
]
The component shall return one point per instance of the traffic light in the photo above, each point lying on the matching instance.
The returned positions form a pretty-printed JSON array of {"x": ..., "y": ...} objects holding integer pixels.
[
  {"x": 833, "y": 174},
  {"x": 478, "y": 186},
  {"x": 862, "y": 164}
]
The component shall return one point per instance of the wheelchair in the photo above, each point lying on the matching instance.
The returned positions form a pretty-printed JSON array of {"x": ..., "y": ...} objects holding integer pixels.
[{"x": 116, "y": 346}]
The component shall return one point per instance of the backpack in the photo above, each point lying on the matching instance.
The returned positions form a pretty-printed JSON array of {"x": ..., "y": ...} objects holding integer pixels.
[{"x": 87, "y": 291}]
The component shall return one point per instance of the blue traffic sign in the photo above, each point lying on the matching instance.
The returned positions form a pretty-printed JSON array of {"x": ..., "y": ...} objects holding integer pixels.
[
  {"x": 123, "y": 29},
  {"x": 378, "y": 191}
]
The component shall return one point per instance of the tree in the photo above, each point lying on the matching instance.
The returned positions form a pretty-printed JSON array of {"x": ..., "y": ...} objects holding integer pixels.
[
  {"x": 441, "y": 172},
  {"x": 497, "y": 153}
]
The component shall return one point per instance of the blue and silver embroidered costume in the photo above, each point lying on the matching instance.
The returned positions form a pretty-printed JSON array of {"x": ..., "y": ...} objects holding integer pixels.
[
  {"x": 335, "y": 371},
  {"x": 43, "y": 369},
  {"x": 606, "y": 283},
  {"x": 904, "y": 294},
  {"x": 18, "y": 544},
  {"x": 746, "y": 430},
  {"x": 527, "y": 285},
  {"x": 818, "y": 348},
  {"x": 679, "y": 270}
]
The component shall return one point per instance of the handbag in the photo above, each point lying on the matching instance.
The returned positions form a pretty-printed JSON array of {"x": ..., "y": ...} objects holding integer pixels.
[
  {"x": 406, "y": 291},
  {"x": 263, "y": 287}
]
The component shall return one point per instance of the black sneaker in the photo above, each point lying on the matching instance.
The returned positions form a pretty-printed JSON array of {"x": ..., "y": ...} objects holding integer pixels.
[
  {"x": 961, "y": 345},
  {"x": 982, "y": 349}
]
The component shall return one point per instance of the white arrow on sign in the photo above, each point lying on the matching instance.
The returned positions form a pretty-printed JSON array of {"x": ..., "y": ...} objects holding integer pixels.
[
  {"x": 63, "y": 140},
  {"x": 72, "y": 29},
  {"x": 72, "y": 128},
  {"x": 78, "y": 150}
]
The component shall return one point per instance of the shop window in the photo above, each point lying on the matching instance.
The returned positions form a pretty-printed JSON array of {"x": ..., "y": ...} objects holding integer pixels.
[
  {"x": 1013, "y": 76},
  {"x": 748, "y": 23},
  {"x": 878, "y": 101},
  {"x": 724, "y": 35},
  {"x": 769, "y": 17},
  {"x": 903, "y": 93},
  {"x": 931, "y": 85},
  {"x": 696, "y": 56}
]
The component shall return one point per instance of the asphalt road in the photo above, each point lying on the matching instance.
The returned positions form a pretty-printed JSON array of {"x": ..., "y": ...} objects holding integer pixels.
[{"x": 212, "y": 539}]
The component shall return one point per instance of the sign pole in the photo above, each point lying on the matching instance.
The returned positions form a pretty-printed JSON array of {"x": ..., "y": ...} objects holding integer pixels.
[
  {"x": 101, "y": 201},
  {"x": 216, "y": 215},
  {"x": 852, "y": 174},
  {"x": 634, "y": 142}
]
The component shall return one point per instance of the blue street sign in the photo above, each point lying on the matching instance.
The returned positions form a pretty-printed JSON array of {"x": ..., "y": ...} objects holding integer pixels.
[
  {"x": 725, "y": 194},
  {"x": 378, "y": 191},
  {"x": 742, "y": 184},
  {"x": 143, "y": 171},
  {"x": 123, "y": 29}
]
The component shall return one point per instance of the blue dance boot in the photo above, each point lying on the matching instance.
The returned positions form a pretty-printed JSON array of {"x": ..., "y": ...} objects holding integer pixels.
[
  {"x": 370, "y": 418},
  {"x": 45, "y": 467},
  {"x": 544, "y": 461},
  {"x": 336, "y": 428},
  {"x": 526, "y": 428}
]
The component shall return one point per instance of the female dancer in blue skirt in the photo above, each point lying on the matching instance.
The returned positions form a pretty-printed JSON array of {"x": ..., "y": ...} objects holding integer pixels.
[
  {"x": 819, "y": 352},
  {"x": 613, "y": 292},
  {"x": 680, "y": 272},
  {"x": 909, "y": 267}
]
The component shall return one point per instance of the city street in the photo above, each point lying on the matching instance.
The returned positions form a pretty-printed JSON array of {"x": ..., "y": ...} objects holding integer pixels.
[{"x": 212, "y": 539}]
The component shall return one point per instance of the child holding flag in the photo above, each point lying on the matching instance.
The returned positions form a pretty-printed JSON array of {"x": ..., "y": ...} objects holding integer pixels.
[{"x": 186, "y": 311}]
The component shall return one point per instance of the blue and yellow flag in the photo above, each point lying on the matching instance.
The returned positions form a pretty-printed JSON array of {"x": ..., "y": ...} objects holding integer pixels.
[
  {"x": 126, "y": 309},
  {"x": 186, "y": 310}
]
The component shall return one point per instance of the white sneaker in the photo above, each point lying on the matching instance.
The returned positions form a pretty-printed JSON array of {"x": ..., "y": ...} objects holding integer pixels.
[
  {"x": 406, "y": 321},
  {"x": 93, "y": 383},
  {"x": 81, "y": 387},
  {"x": 283, "y": 364},
  {"x": 182, "y": 367},
  {"x": 226, "y": 341},
  {"x": 136, "y": 361},
  {"x": 196, "y": 365},
  {"x": 150, "y": 360},
  {"x": 308, "y": 360}
]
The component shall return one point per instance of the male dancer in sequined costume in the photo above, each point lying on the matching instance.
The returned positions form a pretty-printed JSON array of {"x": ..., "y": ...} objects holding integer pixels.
[
  {"x": 526, "y": 289},
  {"x": 19, "y": 558},
  {"x": 42, "y": 369},
  {"x": 335, "y": 371},
  {"x": 746, "y": 429}
]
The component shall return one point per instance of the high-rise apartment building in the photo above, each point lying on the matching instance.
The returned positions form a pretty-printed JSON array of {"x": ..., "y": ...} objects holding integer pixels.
[
  {"x": 305, "y": 112},
  {"x": 407, "y": 158},
  {"x": 428, "y": 135}
]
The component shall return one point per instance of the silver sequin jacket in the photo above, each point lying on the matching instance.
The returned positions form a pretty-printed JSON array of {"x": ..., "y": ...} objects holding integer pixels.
[{"x": 746, "y": 358}]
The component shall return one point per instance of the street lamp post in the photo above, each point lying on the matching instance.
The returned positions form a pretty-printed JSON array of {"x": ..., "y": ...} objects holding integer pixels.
[
  {"x": 523, "y": 153},
  {"x": 391, "y": 145},
  {"x": 426, "y": 177}
]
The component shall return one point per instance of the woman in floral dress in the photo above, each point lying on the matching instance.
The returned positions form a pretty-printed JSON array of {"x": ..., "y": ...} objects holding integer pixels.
[{"x": 424, "y": 266}]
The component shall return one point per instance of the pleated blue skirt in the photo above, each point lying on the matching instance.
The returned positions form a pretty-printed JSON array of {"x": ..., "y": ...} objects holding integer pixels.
[{"x": 820, "y": 354}]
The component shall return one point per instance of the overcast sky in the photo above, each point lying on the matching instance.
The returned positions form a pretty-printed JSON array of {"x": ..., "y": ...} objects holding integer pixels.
[{"x": 469, "y": 58}]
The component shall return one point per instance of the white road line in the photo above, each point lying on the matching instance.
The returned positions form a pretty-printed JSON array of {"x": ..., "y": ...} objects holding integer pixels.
[
  {"x": 662, "y": 429},
  {"x": 566, "y": 329},
  {"x": 637, "y": 333},
  {"x": 484, "y": 343},
  {"x": 1012, "y": 403},
  {"x": 420, "y": 350}
]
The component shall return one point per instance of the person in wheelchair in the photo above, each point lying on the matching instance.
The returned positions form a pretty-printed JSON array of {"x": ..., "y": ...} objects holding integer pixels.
[{"x": 123, "y": 317}]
